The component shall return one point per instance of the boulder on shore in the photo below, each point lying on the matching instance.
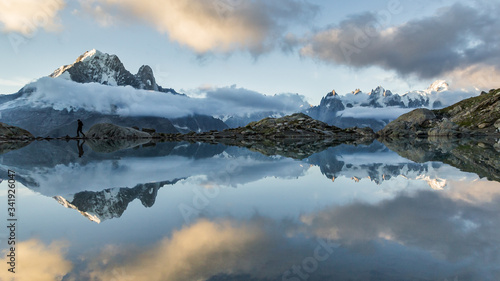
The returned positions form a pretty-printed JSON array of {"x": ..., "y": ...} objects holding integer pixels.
[
  {"x": 414, "y": 122},
  {"x": 8, "y": 132}
]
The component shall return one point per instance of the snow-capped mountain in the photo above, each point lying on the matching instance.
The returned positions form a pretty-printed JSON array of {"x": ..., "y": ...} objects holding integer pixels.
[
  {"x": 97, "y": 88},
  {"x": 95, "y": 66},
  {"x": 380, "y": 106}
]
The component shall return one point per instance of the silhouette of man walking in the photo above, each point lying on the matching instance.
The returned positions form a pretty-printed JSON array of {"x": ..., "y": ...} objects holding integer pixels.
[{"x": 79, "y": 130}]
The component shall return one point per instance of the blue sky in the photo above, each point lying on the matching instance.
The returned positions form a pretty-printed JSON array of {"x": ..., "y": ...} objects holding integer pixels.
[{"x": 283, "y": 46}]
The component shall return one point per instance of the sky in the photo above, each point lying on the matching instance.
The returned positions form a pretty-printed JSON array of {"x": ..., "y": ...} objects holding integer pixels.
[{"x": 309, "y": 47}]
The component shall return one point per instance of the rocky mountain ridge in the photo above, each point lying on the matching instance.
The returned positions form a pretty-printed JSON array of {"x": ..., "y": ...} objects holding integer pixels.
[
  {"x": 97, "y": 67},
  {"x": 474, "y": 116}
]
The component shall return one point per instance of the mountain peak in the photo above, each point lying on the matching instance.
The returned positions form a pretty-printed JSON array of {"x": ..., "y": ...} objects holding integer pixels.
[
  {"x": 89, "y": 54},
  {"x": 95, "y": 66},
  {"x": 332, "y": 94},
  {"x": 379, "y": 91},
  {"x": 357, "y": 91},
  {"x": 438, "y": 86},
  {"x": 146, "y": 78}
]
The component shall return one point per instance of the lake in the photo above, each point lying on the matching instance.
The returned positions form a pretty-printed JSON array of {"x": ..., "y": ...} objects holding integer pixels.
[{"x": 192, "y": 211}]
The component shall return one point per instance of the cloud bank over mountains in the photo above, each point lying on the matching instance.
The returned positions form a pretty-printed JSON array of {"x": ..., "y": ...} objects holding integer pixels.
[{"x": 126, "y": 101}]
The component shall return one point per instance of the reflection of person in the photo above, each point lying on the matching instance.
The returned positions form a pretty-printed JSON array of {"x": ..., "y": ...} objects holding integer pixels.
[
  {"x": 79, "y": 129},
  {"x": 80, "y": 148}
]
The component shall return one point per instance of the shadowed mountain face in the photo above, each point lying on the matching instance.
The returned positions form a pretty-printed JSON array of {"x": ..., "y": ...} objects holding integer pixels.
[{"x": 97, "y": 67}]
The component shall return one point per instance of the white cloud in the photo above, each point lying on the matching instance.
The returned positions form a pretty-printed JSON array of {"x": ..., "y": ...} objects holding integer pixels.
[
  {"x": 212, "y": 25},
  {"x": 37, "y": 261},
  {"x": 127, "y": 101},
  {"x": 27, "y": 16},
  {"x": 479, "y": 76},
  {"x": 479, "y": 192}
]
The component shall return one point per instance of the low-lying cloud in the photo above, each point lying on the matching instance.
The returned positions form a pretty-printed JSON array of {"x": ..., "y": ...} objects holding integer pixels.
[
  {"x": 388, "y": 113},
  {"x": 455, "y": 38},
  {"x": 126, "y": 101},
  {"x": 213, "y": 25}
]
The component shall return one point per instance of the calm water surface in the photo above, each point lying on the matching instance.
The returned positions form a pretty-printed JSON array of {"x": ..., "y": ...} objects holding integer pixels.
[{"x": 180, "y": 211}]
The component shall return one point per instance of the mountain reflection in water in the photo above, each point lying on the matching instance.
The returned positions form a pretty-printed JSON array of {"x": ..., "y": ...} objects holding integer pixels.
[{"x": 214, "y": 212}]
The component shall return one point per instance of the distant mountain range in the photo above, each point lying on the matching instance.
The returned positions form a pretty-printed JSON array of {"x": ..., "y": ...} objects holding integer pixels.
[
  {"x": 97, "y": 88},
  {"x": 378, "y": 107}
]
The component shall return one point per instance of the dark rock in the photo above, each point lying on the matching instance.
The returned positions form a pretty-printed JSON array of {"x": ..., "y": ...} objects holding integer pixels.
[
  {"x": 146, "y": 78},
  {"x": 149, "y": 130},
  {"x": 411, "y": 123}
]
